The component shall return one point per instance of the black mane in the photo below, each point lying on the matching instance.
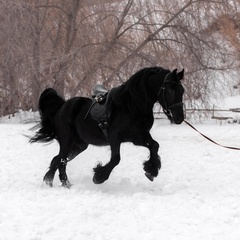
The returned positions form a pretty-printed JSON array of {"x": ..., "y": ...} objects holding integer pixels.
[{"x": 133, "y": 94}]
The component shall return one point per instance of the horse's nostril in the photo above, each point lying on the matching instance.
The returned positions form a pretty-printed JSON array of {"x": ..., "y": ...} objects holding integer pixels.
[{"x": 178, "y": 120}]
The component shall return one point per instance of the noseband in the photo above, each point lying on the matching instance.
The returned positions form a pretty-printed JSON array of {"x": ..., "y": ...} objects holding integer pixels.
[{"x": 167, "y": 109}]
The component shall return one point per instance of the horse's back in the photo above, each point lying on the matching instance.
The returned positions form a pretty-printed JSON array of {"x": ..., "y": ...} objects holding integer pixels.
[
  {"x": 75, "y": 113},
  {"x": 72, "y": 108}
]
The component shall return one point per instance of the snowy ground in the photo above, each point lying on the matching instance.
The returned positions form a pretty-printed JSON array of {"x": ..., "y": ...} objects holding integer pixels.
[{"x": 196, "y": 195}]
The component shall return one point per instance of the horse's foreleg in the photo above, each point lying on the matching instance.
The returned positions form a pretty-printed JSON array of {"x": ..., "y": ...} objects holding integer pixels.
[
  {"x": 102, "y": 173},
  {"x": 152, "y": 166}
]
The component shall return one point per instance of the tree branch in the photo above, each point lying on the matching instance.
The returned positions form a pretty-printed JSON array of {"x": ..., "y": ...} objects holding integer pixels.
[{"x": 148, "y": 39}]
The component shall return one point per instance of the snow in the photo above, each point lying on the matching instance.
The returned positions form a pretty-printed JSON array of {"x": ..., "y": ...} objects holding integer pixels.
[
  {"x": 196, "y": 195},
  {"x": 232, "y": 102}
]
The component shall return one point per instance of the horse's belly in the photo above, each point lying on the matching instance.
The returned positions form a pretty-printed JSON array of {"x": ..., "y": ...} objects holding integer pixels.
[{"x": 91, "y": 133}]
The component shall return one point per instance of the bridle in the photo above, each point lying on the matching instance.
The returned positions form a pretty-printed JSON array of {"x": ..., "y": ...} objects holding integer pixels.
[{"x": 167, "y": 109}]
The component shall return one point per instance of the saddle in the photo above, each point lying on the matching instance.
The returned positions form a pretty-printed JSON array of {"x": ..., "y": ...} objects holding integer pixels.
[
  {"x": 98, "y": 109},
  {"x": 99, "y": 93}
]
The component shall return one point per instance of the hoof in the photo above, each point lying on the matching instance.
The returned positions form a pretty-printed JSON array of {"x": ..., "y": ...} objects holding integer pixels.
[
  {"x": 100, "y": 174},
  {"x": 98, "y": 181},
  {"x": 48, "y": 179},
  {"x": 48, "y": 182},
  {"x": 149, "y": 176},
  {"x": 66, "y": 184}
]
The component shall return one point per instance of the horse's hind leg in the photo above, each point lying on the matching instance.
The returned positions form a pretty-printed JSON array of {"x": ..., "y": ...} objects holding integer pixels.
[
  {"x": 49, "y": 176},
  {"x": 62, "y": 173},
  {"x": 76, "y": 148},
  {"x": 59, "y": 161}
]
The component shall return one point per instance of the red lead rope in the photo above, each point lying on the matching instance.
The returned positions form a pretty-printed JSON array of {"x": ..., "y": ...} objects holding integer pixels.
[{"x": 209, "y": 139}]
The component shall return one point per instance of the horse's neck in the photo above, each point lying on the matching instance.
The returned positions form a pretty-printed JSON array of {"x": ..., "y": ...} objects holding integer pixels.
[
  {"x": 148, "y": 107},
  {"x": 155, "y": 84},
  {"x": 153, "y": 92}
]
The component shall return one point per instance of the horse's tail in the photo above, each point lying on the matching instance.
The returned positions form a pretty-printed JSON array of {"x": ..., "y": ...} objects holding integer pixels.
[{"x": 49, "y": 104}]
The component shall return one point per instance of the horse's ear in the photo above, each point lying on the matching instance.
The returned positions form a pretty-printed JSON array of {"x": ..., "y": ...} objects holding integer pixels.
[
  {"x": 181, "y": 75},
  {"x": 174, "y": 72}
]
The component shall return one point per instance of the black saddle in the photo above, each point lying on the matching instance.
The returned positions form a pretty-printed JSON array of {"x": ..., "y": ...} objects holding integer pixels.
[{"x": 98, "y": 109}]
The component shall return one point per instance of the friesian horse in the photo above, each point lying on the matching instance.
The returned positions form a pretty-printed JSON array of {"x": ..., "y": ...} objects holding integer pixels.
[{"x": 129, "y": 111}]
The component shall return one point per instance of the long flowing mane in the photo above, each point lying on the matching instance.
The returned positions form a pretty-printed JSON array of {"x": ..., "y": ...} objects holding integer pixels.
[{"x": 133, "y": 94}]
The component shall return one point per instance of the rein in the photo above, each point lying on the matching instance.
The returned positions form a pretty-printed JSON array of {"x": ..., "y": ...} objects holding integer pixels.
[{"x": 209, "y": 139}]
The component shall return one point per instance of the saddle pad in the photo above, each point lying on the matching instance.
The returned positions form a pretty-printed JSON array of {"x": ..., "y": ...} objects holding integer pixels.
[{"x": 98, "y": 112}]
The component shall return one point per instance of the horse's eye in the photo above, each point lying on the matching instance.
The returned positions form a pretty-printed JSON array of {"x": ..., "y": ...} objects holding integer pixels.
[{"x": 171, "y": 91}]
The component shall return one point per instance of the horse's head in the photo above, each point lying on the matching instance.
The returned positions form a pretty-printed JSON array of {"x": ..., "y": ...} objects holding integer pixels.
[{"x": 170, "y": 96}]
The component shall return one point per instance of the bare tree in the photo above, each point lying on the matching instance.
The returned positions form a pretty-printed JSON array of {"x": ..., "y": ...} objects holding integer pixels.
[{"x": 71, "y": 45}]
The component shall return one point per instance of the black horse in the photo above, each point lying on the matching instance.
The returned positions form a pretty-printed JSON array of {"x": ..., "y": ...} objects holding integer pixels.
[{"x": 129, "y": 111}]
